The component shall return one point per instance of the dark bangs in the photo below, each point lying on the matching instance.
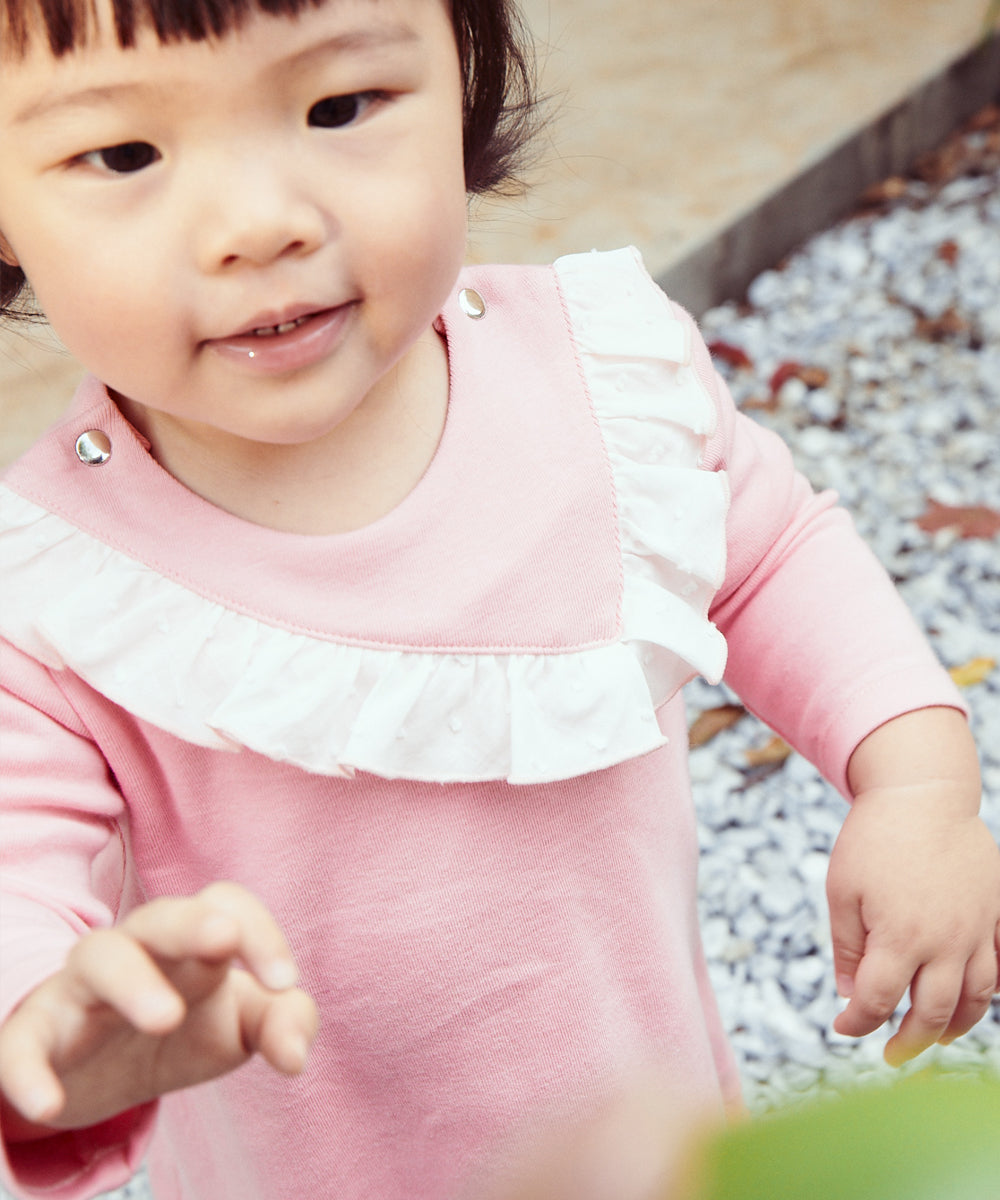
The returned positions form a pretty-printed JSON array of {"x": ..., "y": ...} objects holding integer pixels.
[{"x": 67, "y": 24}]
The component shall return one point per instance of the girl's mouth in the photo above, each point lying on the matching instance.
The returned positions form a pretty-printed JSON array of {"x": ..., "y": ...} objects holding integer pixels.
[{"x": 289, "y": 345}]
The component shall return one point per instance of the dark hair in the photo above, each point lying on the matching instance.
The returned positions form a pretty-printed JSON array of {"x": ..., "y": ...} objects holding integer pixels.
[{"x": 493, "y": 48}]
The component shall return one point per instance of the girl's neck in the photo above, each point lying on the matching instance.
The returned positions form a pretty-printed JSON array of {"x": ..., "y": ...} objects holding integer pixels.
[{"x": 342, "y": 481}]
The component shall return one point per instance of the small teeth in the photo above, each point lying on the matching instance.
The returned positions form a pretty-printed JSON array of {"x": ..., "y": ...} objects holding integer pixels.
[{"x": 284, "y": 327}]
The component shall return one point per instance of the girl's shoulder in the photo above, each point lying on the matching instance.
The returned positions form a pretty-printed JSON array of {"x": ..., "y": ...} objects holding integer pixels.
[
  {"x": 612, "y": 309},
  {"x": 606, "y": 294}
]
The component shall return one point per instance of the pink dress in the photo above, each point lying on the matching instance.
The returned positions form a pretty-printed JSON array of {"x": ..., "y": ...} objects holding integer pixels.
[{"x": 447, "y": 750}]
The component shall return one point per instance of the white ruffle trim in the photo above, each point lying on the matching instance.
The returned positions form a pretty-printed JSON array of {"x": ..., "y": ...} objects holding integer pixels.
[
  {"x": 656, "y": 418},
  {"x": 222, "y": 679}
]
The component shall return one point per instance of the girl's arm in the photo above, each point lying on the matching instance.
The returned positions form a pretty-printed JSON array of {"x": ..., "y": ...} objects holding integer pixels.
[
  {"x": 914, "y": 885},
  {"x": 821, "y": 645},
  {"x": 102, "y": 1011},
  {"x": 823, "y": 649}
]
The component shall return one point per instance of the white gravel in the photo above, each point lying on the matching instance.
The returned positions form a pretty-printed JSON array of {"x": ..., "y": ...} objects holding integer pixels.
[
  {"x": 908, "y": 410},
  {"x": 900, "y": 418}
]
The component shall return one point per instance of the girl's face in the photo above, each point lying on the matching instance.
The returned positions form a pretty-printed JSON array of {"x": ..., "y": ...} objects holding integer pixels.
[{"x": 244, "y": 237}]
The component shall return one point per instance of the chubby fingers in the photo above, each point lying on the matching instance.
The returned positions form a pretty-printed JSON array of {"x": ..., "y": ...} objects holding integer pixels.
[
  {"x": 879, "y": 983},
  {"x": 222, "y": 922},
  {"x": 108, "y": 981},
  {"x": 281, "y": 1026},
  {"x": 175, "y": 950},
  {"x": 981, "y": 983},
  {"x": 935, "y": 998},
  {"x": 947, "y": 997},
  {"x": 29, "y": 1087}
]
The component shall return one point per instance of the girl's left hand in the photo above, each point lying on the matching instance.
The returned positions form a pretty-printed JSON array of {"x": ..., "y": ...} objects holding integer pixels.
[
  {"x": 914, "y": 893},
  {"x": 914, "y": 885}
]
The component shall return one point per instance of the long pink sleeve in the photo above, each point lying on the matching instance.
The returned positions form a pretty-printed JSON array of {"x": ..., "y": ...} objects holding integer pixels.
[
  {"x": 62, "y": 871},
  {"x": 821, "y": 645}
]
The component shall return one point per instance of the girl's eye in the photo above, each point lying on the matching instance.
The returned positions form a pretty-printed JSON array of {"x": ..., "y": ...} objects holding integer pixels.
[
  {"x": 334, "y": 112},
  {"x": 125, "y": 159}
]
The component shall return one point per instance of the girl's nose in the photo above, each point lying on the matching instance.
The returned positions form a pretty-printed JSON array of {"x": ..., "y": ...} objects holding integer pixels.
[{"x": 256, "y": 218}]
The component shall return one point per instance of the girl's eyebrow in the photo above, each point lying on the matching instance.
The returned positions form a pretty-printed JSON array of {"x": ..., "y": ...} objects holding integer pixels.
[
  {"x": 354, "y": 41},
  {"x": 50, "y": 104}
]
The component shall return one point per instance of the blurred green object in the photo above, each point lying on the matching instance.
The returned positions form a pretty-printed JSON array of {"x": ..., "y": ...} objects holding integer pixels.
[{"x": 929, "y": 1137}]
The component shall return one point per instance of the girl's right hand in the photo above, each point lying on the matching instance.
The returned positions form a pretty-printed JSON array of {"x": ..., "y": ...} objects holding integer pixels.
[{"x": 155, "y": 1004}]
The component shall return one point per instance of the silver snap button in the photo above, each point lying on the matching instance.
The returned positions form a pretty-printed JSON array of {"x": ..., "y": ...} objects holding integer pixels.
[
  {"x": 93, "y": 448},
  {"x": 472, "y": 304}
]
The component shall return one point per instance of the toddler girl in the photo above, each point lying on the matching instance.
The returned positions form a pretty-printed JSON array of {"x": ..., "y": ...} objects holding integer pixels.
[{"x": 345, "y": 619}]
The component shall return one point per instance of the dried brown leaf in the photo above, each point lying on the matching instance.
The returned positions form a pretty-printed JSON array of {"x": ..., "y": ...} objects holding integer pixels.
[
  {"x": 987, "y": 118},
  {"x": 785, "y": 371},
  {"x": 763, "y": 403},
  {"x": 948, "y": 252},
  {"x": 976, "y": 670},
  {"x": 712, "y": 722},
  {"x": 812, "y": 377},
  {"x": 728, "y": 353},
  {"x": 939, "y": 329},
  {"x": 971, "y": 521},
  {"x": 884, "y": 192},
  {"x": 774, "y": 751},
  {"x": 944, "y": 164}
]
